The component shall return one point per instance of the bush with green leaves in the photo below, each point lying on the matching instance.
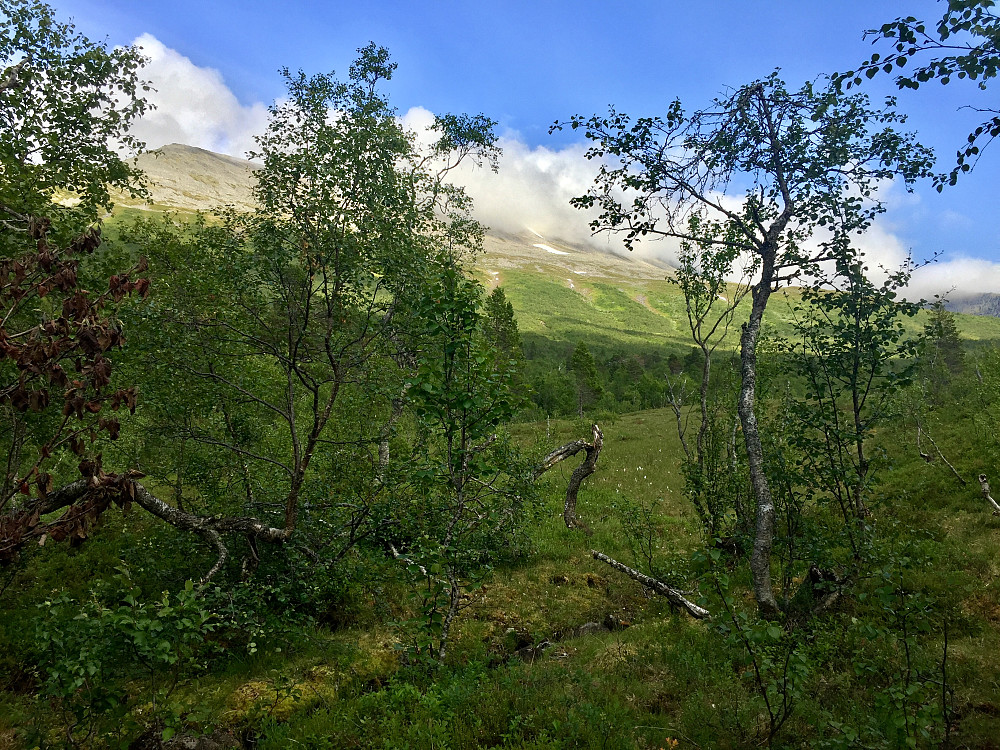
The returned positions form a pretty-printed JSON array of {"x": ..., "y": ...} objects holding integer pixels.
[
  {"x": 470, "y": 491},
  {"x": 111, "y": 670}
]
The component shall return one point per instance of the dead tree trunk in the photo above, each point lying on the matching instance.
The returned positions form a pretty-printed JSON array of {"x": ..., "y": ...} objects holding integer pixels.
[
  {"x": 986, "y": 494},
  {"x": 584, "y": 470},
  {"x": 673, "y": 595},
  {"x": 929, "y": 459}
]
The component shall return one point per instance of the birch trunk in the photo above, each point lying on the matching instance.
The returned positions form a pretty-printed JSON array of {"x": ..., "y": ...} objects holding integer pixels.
[{"x": 760, "y": 559}]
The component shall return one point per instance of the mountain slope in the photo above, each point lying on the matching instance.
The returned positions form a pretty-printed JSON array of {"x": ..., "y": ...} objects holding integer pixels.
[
  {"x": 193, "y": 179},
  {"x": 562, "y": 292}
]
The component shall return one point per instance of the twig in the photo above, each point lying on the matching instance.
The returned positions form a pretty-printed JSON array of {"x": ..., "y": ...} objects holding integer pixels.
[{"x": 928, "y": 459}]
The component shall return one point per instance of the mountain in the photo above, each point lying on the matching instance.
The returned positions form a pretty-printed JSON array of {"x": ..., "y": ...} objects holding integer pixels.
[
  {"x": 186, "y": 178},
  {"x": 976, "y": 304},
  {"x": 192, "y": 179},
  {"x": 562, "y": 291}
]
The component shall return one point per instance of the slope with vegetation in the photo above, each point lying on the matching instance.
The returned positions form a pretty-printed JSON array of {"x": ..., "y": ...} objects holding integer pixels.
[{"x": 353, "y": 523}]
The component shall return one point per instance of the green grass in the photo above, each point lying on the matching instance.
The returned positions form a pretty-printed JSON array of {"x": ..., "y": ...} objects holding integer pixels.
[
  {"x": 663, "y": 678},
  {"x": 645, "y": 315}
]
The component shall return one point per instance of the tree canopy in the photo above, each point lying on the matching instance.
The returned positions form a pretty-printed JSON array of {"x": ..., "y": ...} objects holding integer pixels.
[
  {"x": 962, "y": 44},
  {"x": 66, "y": 106}
]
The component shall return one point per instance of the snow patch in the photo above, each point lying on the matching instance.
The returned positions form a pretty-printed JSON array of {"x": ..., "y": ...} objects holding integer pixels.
[{"x": 548, "y": 249}]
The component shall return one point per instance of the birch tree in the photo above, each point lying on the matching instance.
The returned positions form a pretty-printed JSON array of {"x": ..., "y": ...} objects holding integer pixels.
[{"x": 782, "y": 177}]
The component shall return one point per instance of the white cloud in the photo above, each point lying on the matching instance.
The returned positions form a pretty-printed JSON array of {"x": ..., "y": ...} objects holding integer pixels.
[
  {"x": 531, "y": 192},
  {"x": 962, "y": 276},
  {"x": 193, "y": 105}
]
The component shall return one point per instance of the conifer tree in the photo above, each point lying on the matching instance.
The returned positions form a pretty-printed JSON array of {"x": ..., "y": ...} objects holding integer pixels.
[
  {"x": 943, "y": 355},
  {"x": 584, "y": 369},
  {"x": 500, "y": 325}
]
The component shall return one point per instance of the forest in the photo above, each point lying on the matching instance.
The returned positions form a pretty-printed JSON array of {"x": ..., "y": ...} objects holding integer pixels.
[{"x": 307, "y": 476}]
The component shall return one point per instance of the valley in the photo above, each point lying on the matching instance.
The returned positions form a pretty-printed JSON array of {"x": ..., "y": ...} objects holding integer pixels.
[{"x": 299, "y": 454}]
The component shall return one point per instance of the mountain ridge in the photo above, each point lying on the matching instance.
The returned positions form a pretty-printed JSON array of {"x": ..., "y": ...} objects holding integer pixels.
[{"x": 188, "y": 178}]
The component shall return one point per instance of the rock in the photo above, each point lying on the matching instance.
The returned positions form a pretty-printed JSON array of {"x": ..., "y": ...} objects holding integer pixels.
[{"x": 530, "y": 653}]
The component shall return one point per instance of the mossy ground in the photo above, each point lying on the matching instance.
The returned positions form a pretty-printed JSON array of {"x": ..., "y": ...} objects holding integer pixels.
[{"x": 664, "y": 678}]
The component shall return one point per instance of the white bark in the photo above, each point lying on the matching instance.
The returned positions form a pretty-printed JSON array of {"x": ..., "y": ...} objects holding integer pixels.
[
  {"x": 986, "y": 494},
  {"x": 673, "y": 595}
]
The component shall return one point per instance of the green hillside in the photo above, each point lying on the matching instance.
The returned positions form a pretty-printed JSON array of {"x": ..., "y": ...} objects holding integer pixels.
[
  {"x": 648, "y": 313},
  {"x": 315, "y": 513}
]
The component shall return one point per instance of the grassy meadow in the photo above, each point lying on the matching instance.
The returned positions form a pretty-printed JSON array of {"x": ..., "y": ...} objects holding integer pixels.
[{"x": 557, "y": 650}]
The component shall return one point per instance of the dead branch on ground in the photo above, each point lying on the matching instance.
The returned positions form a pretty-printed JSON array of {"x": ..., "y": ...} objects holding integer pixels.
[{"x": 673, "y": 595}]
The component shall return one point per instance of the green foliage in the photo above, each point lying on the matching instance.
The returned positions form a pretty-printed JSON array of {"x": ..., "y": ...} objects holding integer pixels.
[
  {"x": 64, "y": 101},
  {"x": 986, "y": 410},
  {"x": 817, "y": 132},
  {"x": 584, "y": 370},
  {"x": 853, "y": 357},
  {"x": 500, "y": 327},
  {"x": 942, "y": 355},
  {"x": 768, "y": 657},
  {"x": 281, "y": 384},
  {"x": 88, "y": 649},
  {"x": 471, "y": 491},
  {"x": 962, "y": 44}
]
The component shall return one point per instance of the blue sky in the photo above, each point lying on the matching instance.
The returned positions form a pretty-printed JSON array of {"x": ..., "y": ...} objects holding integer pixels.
[{"x": 528, "y": 64}]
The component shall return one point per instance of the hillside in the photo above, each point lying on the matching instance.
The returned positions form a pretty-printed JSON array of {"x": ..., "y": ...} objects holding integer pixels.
[
  {"x": 561, "y": 291},
  {"x": 192, "y": 179}
]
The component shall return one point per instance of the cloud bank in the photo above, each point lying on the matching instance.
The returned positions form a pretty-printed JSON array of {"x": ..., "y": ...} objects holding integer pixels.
[
  {"x": 531, "y": 192},
  {"x": 193, "y": 105},
  {"x": 957, "y": 277}
]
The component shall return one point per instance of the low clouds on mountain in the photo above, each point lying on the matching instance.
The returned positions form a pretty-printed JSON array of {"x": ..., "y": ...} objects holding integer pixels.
[
  {"x": 531, "y": 191},
  {"x": 193, "y": 105}
]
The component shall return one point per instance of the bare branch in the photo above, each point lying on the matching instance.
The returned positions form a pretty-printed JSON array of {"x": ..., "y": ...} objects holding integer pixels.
[
  {"x": 986, "y": 494},
  {"x": 13, "y": 75},
  {"x": 673, "y": 595}
]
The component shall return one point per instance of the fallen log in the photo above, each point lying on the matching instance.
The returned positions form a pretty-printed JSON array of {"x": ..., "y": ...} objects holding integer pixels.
[
  {"x": 985, "y": 486},
  {"x": 674, "y": 596}
]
